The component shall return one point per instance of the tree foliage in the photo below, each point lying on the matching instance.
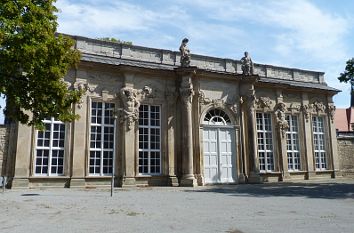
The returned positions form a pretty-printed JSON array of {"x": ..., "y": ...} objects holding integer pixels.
[
  {"x": 33, "y": 61},
  {"x": 348, "y": 74}
]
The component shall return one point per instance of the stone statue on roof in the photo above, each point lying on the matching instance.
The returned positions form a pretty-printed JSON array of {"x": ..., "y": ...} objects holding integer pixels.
[
  {"x": 185, "y": 53},
  {"x": 247, "y": 64}
]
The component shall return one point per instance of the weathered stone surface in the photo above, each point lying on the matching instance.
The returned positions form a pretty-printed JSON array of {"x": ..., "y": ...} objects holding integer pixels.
[
  {"x": 346, "y": 155},
  {"x": 3, "y": 148}
]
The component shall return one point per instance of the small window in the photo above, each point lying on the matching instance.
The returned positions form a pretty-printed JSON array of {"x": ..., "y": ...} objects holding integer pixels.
[{"x": 216, "y": 117}]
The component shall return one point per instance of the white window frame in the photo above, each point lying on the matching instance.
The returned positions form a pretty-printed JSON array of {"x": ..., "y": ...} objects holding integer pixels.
[
  {"x": 292, "y": 143},
  {"x": 268, "y": 164},
  {"x": 149, "y": 150},
  {"x": 101, "y": 149},
  {"x": 319, "y": 148},
  {"x": 216, "y": 117},
  {"x": 50, "y": 149}
]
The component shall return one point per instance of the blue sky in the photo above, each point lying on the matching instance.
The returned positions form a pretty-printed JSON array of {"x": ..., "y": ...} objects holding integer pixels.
[{"x": 307, "y": 34}]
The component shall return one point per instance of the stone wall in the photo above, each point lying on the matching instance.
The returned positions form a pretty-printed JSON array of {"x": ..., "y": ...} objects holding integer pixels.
[
  {"x": 3, "y": 147},
  {"x": 346, "y": 155}
]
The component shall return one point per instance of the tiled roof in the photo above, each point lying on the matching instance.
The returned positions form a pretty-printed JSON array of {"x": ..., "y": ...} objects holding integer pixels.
[{"x": 344, "y": 119}]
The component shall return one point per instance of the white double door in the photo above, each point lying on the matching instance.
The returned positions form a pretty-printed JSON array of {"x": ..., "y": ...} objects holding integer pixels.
[{"x": 219, "y": 155}]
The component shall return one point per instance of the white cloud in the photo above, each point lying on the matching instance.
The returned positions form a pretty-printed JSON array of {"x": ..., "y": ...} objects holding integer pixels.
[
  {"x": 296, "y": 34},
  {"x": 102, "y": 18}
]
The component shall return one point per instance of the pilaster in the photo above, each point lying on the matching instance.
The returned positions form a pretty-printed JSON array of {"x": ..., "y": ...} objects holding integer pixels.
[
  {"x": 332, "y": 138},
  {"x": 171, "y": 144},
  {"x": 306, "y": 109},
  {"x": 78, "y": 161},
  {"x": 282, "y": 126},
  {"x": 24, "y": 154},
  {"x": 128, "y": 121}
]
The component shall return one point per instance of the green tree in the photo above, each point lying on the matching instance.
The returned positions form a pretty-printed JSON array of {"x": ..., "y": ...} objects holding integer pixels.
[
  {"x": 348, "y": 74},
  {"x": 33, "y": 61}
]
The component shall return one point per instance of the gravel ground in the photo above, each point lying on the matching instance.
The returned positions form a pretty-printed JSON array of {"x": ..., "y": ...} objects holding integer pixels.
[{"x": 273, "y": 207}]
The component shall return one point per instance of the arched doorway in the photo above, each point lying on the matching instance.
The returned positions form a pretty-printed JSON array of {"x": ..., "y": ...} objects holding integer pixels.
[{"x": 219, "y": 154}]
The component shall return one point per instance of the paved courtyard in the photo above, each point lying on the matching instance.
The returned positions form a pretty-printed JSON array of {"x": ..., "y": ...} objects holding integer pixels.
[{"x": 275, "y": 207}]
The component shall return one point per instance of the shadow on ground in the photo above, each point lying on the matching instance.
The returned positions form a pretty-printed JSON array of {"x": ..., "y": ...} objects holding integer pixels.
[{"x": 319, "y": 190}]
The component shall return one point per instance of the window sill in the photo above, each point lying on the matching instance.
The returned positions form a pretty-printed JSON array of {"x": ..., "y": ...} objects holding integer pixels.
[
  {"x": 324, "y": 171},
  {"x": 98, "y": 177},
  {"x": 49, "y": 177},
  {"x": 297, "y": 172},
  {"x": 148, "y": 175}
]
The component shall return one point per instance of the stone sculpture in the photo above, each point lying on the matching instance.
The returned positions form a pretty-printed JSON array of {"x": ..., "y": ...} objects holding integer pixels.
[
  {"x": 280, "y": 118},
  {"x": 131, "y": 101},
  {"x": 131, "y": 105},
  {"x": 247, "y": 65},
  {"x": 185, "y": 53}
]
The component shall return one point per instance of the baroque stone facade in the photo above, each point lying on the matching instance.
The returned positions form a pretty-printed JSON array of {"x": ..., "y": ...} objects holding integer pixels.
[{"x": 151, "y": 120}]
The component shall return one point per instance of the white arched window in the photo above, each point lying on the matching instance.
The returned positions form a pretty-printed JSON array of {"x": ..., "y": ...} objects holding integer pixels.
[{"x": 216, "y": 117}]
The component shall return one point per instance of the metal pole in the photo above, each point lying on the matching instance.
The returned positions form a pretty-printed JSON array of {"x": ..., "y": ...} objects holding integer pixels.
[
  {"x": 114, "y": 153},
  {"x": 3, "y": 183}
]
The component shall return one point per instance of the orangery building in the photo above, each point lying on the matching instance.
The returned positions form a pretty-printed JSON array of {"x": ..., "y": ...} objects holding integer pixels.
[{"x": 158, "y": 117}]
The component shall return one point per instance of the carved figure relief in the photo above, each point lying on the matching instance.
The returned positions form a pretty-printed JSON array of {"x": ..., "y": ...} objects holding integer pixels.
[
  {"x": 319, "y": 107},
  {"x": 186, "y": 90},
  {"x": 83, "y": 87},
  {"x": 306, "y": 109},
  {"x": 217, "y": 103},
  {"x": 331, "y": 110},
  {"x": 295, "y": 108},
  {"x": 281, "y": 121},
  {"x": 264, "y": 102},
  {"x": 131, "y": 102},
  {"x": 247, "y": 65},
  {"x": 185, "y": 53}
]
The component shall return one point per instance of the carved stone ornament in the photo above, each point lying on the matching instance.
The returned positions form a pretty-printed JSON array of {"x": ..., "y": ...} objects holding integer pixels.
[
  {"x": 282, "y": 123},
  {"x": 185, "y": 53},
  {"x": 81, "y": 86},
  {"x": 306, "y": 109},
  {"x": 264, "y": 102},
  {"x": 319, "y": 107},
  {"x": 186, "y": 91},
  {"x": 217, "y": 103},
  {"x": 295, "y": 108},
  {"x": 131, "y": 102},
  {"x": 331, "y": 110}
]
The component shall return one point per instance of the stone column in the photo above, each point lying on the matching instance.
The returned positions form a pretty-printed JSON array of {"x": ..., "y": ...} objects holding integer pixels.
[
  {"x": 306, "y": 109},
  {"x": 250, "y": 132},
  {"x": 186, "y": 93},
  {"x": 333, "y": 139}
]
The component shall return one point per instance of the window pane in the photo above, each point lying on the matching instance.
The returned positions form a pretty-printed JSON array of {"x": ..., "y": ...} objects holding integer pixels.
[
  {"x": 101, "y": 138},
  {"x": 49, "y": 159},
  {"x": 265, "y": 141},
  {"x": 319, "y": 142},
  {"x": 149, "y": 139}
]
